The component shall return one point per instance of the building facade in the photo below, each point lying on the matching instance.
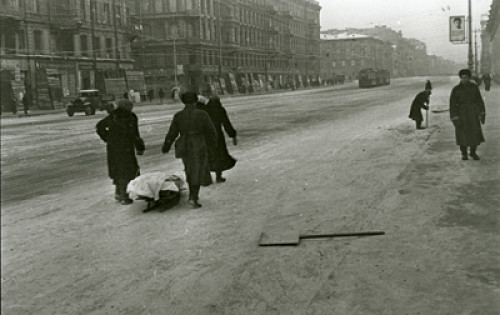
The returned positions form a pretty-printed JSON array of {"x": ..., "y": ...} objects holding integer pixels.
[
  {"x": 227, "y": 46},
  {"x": 409, "y": 56},
  {"x": 51, "y": 49},
  {"x": 493, "y": 33},
  {"x": 344, "y": 55}
]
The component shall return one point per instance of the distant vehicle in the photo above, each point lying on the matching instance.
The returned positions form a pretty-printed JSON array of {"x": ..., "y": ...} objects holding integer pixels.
[
  {"x": 373, "y": 77},
  {"x": 88, "y": 101}
]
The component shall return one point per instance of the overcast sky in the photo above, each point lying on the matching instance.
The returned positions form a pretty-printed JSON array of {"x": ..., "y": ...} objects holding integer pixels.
[{"x": 426, "y": 20}]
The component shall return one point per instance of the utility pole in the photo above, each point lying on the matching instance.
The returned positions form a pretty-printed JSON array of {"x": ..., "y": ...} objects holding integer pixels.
[
  {"x": 220, "y": 43},
  {"x": 92, "y": 33},
  {"x": 28, "y": 55},
  {"x": 175, "y": 62},
  {"x": 476, "y": 61},
  {"x": 117, "y": 49},
  {"x": 141, "y": 45},
  {"x": 471, "y": 54}
]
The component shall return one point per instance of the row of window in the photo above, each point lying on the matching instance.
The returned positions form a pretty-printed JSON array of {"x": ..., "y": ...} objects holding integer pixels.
[
  {"x": 343, "y": 63},
  {"x": 212, "y": 58},
  {"x": 362, "y": 52},
  {"x": 63, "y": 44}
]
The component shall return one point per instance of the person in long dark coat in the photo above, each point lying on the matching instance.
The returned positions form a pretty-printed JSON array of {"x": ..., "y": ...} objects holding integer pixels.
[
  {"x": 120, "y": 131},
  {"x": 196, "y": 136},
  {"x": 467, "y": 112},
  {"x": 487, "y": 81},
  {"x": 421, "y": 101},
  {"x": 151, "y": 94},
  {"x": 161, "y": 94},
  {"x": 223, "y": 160}
]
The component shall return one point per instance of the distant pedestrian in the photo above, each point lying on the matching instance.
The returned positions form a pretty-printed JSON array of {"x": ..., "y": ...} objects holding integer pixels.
[
  {"x": 26, "y": 102},
  {"x": 194, "y": 135},
  {"x": 174, "y": 93},
  {"x": 125, "y": 95},
  {"x": 151, "y": 94},
  {"x": 467, "y": 112},
  {"x": 223, "y": 160},
  {"x": 421, "y": 101},
  {"x": 120, "y": 131},
  {"x": 161, "y": 94},
  {"x": 487, "y": 81}
]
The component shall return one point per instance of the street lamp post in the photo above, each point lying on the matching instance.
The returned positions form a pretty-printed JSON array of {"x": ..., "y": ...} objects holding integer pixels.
[
  {"x": 471, "y": 54},
  {"x": 175, "y": 64}
]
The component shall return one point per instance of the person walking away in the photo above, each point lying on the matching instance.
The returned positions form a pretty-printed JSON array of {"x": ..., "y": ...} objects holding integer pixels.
[
  {"x": 26, "y": 102},
  {"x": 194, "y": 134},
  {"x": 161, "y": 94},
  {"x": 467, "y": 112},
  {"x": 421, "y": 101},
  {"x": 223, "y": 160},
  {"x": 120, "y": 131},
  {"x": 151, "y": 94},
  {"x": 487, "y": 81}
]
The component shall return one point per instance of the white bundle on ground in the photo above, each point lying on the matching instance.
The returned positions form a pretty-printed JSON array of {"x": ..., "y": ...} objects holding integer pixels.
[{"x": 150, "y": 185}]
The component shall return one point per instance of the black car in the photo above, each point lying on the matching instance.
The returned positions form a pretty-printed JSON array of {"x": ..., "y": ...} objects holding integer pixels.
[{"x": 89, "y": 101}]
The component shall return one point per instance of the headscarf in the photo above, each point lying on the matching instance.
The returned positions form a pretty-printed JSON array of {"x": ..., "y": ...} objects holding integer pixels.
[{"x": 214, "y": 101}]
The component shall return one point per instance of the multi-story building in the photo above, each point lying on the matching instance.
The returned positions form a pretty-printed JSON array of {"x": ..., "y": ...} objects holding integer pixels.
[
  {"x": 344, "y": 55},
  {"x": 51, "y": 49},
  {"x": 493, "y": 32},
  {"x": 220, "y": 46},
  {"x": 409, "y": 56},
  {"x": 485, "y": 59}
]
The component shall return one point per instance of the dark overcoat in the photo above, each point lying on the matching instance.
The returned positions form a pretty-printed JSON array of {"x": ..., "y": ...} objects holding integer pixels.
[
  {"x": 420, "y": 102},
  {"x": 487, "y": 81},
  {"x": 120, "y": 131},
  {"x": 218, "y": 115},
  {"x": 197, "y": 134},
  {"x": 466, "y": 107}
]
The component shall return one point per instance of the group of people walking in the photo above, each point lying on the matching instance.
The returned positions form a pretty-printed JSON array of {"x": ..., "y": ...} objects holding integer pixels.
[
  {"x": 197, "y": 136},
  {"x": 467, "y": 112},
  {"x": 196, "y": 132}
]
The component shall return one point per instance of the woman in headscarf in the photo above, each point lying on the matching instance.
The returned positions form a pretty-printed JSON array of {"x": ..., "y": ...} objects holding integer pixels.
[
  {"x": 197, "y": 136},
  {"x": 223, "y": 160},
  {"x": 467, "y": 112},
  {"x": 421, "y": 101},
  {"x": 120, "y": 131}
]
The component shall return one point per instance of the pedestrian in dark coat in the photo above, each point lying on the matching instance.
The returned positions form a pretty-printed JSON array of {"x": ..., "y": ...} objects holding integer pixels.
[
  {"x": 487, "y": 81},
  {"x": 223, "y": 160},
  {"x": 161, "y": 94},
  {"x": 196, "y": 136},
  {"x": 151, "y": 94},
  {"x": 26, "y": 103},
  {"x": 467, "y": 112},
  {"x": 120, "y": 131},
  {"x": 421, "y": 101}
]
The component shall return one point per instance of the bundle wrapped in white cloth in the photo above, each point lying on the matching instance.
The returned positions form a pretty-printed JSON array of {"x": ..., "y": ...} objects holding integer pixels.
[{"x": 150, "y": 185}]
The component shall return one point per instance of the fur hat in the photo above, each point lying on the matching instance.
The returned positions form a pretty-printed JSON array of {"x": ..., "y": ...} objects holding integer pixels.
[
  {"x": 125, "y": 105},
  {"x": 466, "y": 72},
  {"x": 189, "y": 97}
]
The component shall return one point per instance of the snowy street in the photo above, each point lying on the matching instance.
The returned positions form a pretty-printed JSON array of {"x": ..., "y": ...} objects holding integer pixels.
[{"x": 332, "y": 159}]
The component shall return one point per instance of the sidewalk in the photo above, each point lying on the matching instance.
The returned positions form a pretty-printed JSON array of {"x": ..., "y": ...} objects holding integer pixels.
[
  {"x": 169, "y": 101},
  {"x": 441, "y": 252}
]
